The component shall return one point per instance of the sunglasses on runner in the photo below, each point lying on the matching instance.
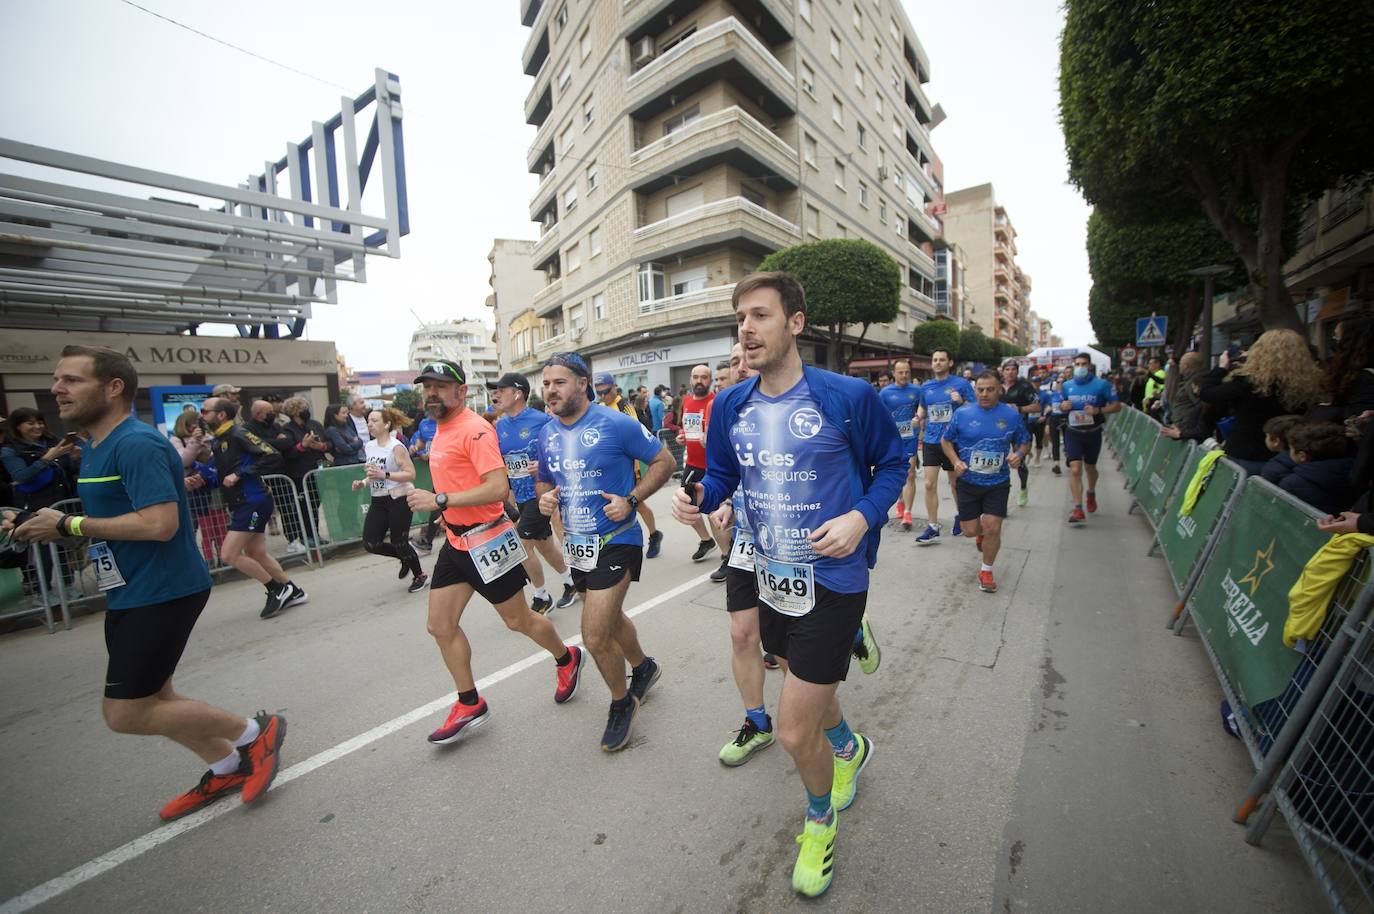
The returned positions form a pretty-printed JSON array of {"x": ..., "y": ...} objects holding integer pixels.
[{"x": 442, "y": 370}]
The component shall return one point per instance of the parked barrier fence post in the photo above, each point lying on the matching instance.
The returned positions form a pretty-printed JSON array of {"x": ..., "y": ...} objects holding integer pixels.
[
  {"x": 34, "y": 589},
  {"x": 1240, "y": 605},
  {"x": 1325, "y": 787},
  {"x": 1187, "y": 539}
]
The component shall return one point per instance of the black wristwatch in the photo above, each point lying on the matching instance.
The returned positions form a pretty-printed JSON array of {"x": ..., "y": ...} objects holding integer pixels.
[
  {"x": 441, "y": 500},
  {"x": 634, "y": 502}
]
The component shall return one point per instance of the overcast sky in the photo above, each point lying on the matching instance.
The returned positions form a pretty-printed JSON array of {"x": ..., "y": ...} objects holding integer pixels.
[{"x": 101, "y": 78}]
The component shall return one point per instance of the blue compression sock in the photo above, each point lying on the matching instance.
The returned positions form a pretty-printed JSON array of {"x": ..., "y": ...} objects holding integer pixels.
[
  {"x": 759, "y": 716},
  {"x": 818, "y": 807},
  {"x": 842, "y": 740}
]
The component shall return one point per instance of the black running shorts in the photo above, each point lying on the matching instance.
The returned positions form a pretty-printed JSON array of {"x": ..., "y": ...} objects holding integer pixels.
[
  {"x": 144, "y": 644},
  {"x": 818, "y": 645},
  {"x": 612, "y": 564},
  {"x": 975, "y": 501},
  {"x": 531, "y": 524},
  {"x": 932, "y": 455},
  {"x": 741, "y": 590},
  {"x": 455, "y": 566}
]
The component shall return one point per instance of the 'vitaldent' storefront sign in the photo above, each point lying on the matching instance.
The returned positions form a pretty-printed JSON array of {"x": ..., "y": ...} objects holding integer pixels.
[
  {"x": 37, "y": 352},
  {"x": 647, "y": 357}
]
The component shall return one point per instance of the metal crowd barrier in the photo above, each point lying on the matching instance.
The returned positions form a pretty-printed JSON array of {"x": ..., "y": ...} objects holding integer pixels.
[
  {"x": 1187, "y": 539},
  {"x": 678, "y": 451},
  {"x": 77, "y": 585},
  {"x": 34, "y": 589},
  {"x": 1161, "y": 481}
]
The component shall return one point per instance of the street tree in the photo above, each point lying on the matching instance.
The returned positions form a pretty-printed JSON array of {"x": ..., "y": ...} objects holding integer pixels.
[
  {"x": 1244, "y": 112},
  {"x": 974, "y": 347},
  {"x": 407, "y": 401},
  {"x": 941, "y": 333},
  {"x": 848, "y": 281}
]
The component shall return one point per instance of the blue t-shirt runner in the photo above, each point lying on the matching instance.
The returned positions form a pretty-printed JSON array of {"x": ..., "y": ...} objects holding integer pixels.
[
  {"x": 901, "y": 401},
  {"x": 940, "y": 406},
  {"x": 135, "y": 467},
  {"x": 984, "y": 438},
  {"x": 592, "y": 457},
  {"x": 795, "y": 474},
  {"x": 518, "y": 437},
  {"x": 1095, "y": 392},
  {"x": 423, "y": 439}
]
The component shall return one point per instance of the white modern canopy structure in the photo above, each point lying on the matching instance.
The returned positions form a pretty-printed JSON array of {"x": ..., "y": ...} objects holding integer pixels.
[{"x": 159, "y": 253}]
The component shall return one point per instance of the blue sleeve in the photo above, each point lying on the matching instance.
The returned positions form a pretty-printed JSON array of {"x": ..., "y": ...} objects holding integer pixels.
[
  {"x": 20, "y": 472},
  {"x": 207, "y": 472},
  {"x": 1111, "y": 391},
  {"x": 149, "y": 469},
  {"x": 638, "y": 441},
  {"x": 1021, "y": 435},
  {"x": 543, "y": 474},
  {"x": 951, "y": 428},
  {"x": 884, "y": 453},
  {"x": 722, "y": 466}
]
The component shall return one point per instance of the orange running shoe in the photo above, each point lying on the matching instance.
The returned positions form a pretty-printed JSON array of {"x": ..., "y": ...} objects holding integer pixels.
[
  {"x": 569, "y": 676},
  {"x": 985, "y": 582},
  {"x": 1092, "y": 502},
  {"x": 264, "y": 755},
  {"x": 460, "y": 719},
  {"x": 1076, "y": 516},
  {"x": 211, "y": 787}
]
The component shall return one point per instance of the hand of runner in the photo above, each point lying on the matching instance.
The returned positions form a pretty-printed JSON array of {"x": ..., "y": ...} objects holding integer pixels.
[
  {"x": 1014, "y": 460},
  {"x": 41, "y": 528},
  {"x": 840, "y": 536},
  {"x": 955, "y": 397},
  {"x": 358, "y": 484},
  {"x": 681, "y": 437},
  {"x": 421, "y": 500},
  {"x": 194, "y": 482},
  {"x": 1348, "y": 522},
  {"x": 548, "y": 502},
  {"x": 684, "y": 510},
  {"x": 960, "y": 468},
  {"x": 617, "y": 506},
  {"x": 373, "y": 471},
  {"x": 723, "y": 516}
]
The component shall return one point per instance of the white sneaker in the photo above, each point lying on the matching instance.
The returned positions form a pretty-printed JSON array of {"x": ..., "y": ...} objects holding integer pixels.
[{"x": 294, "y": 548}]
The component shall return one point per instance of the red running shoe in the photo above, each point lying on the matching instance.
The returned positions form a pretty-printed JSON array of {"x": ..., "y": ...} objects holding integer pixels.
[
  {"x": 211, "y": 787},
  {"x": 1092, "y": 502},
  {"x": 985, "y": 582},
  {"x": 1076, "y": 516},
  {"x": 460, "y": 719},
  {"x": 264, "y": 755},
  {"x": 569, "y": 676}
]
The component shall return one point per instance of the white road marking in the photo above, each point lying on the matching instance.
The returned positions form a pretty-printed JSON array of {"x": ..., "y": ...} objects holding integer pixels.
[{"x": 141, "y": 845}]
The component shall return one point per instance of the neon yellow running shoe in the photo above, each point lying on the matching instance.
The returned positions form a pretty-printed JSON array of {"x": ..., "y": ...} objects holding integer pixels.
[
  {"x": 815, "y": 866},
  {"x": 866, "y": 648},
  {"x": 747, "y": 741},
  {"x": 846, "y": 783}
]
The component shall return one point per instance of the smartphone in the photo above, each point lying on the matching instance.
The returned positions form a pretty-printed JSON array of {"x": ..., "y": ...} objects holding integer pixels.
[{"x": 71, "y": 438}]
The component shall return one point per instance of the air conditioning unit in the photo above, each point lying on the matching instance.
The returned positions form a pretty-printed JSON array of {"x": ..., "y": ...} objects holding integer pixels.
[
  {"x": 882, "y": 173},
  {"x": 643, "y": 51}
]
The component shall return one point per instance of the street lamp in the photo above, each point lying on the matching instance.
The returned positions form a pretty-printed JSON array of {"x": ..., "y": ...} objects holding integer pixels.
[{"x": 1208, "y": 273}]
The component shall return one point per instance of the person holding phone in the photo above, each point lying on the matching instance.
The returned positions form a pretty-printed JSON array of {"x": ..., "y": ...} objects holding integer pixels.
[{"x": 43, "y": 471}]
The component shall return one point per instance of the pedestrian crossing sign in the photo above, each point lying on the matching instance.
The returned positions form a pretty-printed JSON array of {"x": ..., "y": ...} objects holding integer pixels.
[{"x": 1150, "y": 331}]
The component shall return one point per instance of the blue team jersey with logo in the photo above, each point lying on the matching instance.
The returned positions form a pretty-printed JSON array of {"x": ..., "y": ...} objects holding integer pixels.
[
  {"x": 518, "y": 437},
  {"x": 984, "y": 438},
  {"x": 1049, "y": 400},
  {"x": 595, "y": 454},
  {"x": 1096, "y": 392},
  {"x": 935, "y": 397},
  {"x": 134, "y": 468},
  {"x": 796, "y": 472},
  {"x": 901, "y": 401},
  {"x": 426, "y": 430}
]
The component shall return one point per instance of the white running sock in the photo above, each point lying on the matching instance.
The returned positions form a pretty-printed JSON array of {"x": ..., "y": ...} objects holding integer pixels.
[
  {"x": 227, "y": 765},
  {"x": 540, "y": 593},
  {"x": 249, "y": 734},
  {"x": 985, "y": 567},
  {"x": 567, "y": 578}
]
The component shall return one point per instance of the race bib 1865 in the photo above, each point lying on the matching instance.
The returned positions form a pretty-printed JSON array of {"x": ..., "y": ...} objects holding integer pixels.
[{"x": 582, "y": 550}]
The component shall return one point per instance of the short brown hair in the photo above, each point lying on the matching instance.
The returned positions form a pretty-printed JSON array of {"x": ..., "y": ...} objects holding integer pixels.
[
  {"x": 991, "y": 376},
  {"x": 1318, "y": 440},
  {"x": 785, "y": 284},
  {"x": 108, "y": 365},
  {"x": 1279, "y": 427}
]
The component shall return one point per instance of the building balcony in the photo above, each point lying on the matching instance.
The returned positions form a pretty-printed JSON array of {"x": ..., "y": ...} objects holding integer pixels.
[
  {"x": 539, "y": 103},
  {"x": 536, "y": 51},
  {"x": 772, "y": 18},
  {"x": 544, "y": 197},
  {"x": 529, "y": 11},
  {"x": 733, "y": 220},
  {"x": 731, "y": 136},
  {"x": 548, "y": 300},
  {"x": 541, "y": 149},
  {"x": 920, "y": 258},
  {"x": 723, "y": 50},
  {"x": 546, "y": 247},
  {"x": 550, "y": 345},
  {"x": 715, "y": 295}
]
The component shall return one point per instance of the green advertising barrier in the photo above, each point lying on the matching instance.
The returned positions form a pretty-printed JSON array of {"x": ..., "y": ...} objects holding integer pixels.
[
  {"x": 1184, "y": 538},
  {"x": 1240, "y": 602},
  {"x": 1139, "y": 443},
  {"x": 1155, "y": 486},
  {"x": 1118, "y": 425},
  {"x": 343, "y": 508}
]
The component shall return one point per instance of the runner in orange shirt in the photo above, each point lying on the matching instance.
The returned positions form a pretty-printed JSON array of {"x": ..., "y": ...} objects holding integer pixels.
[{"x": 482, "y": 553}]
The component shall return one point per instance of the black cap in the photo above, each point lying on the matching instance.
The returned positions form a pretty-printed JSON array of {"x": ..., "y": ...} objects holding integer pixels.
[
  {"x": 511, "y": 379},
  {"x": 441, "y": 370}
]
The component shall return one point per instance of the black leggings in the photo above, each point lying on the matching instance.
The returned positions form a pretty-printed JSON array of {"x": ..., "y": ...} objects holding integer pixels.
[
  {"x": 390, "y": 514},
  {"x": 1054, "y": 428}
]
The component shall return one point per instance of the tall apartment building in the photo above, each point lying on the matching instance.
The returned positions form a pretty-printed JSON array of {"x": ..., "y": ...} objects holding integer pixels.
[
  {"x": 680, "y": 142},
  {"x": 468, "y": 342},
  {"x": 1039, "y": 331},
  {"x": 998, "y": 292},
  {"x": 514, "y": 283},
  {"x": 951, "y": 282}
]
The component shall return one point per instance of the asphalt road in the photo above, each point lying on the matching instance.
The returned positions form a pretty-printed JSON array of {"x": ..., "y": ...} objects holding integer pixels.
[{"x": 1047, "y": 748}]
